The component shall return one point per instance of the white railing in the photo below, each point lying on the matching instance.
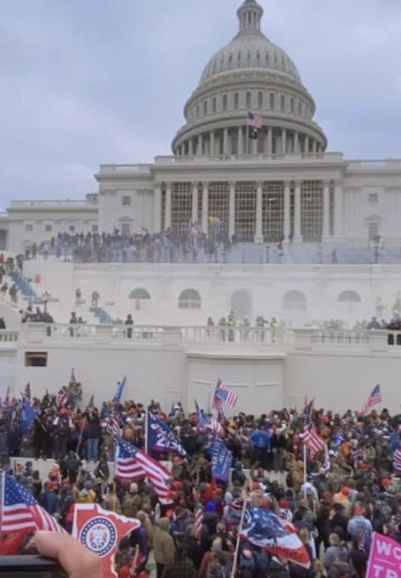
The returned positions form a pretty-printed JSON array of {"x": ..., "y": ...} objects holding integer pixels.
[
  {"x": 7, "y": 336},
  {"x": 316, "y": 338},
  {"x": 70, "y": 203},
  {"x": 232, "y": 335},
  {"x": 116, "y": 169}
]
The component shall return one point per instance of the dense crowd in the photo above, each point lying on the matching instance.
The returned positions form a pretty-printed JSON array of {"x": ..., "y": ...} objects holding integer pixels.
[{"x": 350, "y": 491}]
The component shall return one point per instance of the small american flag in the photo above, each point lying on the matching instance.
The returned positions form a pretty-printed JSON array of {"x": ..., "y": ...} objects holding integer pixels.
[
  {"x": 397, "y": 461},
  {"x": 255, "y": 120},
  {"x": 224, "y": 397},
  {"x": 313, "y": 441},
  {"x": 134, "y": 464},
  {"x": 374, "y": 399},
  {"x": 20, "y": 511}
]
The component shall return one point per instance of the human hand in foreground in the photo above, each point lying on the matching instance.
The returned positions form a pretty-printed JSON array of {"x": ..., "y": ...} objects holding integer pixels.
[{"x": 76, "y": 560}]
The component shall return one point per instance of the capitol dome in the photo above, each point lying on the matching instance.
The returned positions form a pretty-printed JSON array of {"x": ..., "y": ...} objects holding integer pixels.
[{"x": 249, "y": 75}]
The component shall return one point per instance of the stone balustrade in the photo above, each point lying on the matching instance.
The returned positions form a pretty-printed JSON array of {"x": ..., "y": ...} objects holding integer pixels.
[{"x": 8, "y": 337}]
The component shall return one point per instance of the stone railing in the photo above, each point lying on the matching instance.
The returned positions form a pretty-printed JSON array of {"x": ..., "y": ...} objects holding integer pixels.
[
  {"x": 235, "y": 335},
  {"x": 333, "y": 339},
  {"x": 69, "y": 203},
  {"x": 7, "y": 336}
]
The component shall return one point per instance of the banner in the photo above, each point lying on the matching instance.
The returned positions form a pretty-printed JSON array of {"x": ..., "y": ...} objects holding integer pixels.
[
  {"x": 384, "y": 558},
  {"x": 101, "y": 532}
]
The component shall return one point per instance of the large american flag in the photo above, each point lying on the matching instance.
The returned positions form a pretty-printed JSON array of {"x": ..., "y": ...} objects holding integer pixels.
[
  {"x": 134, "y": 464},
  {"x": 255, "y": 120},
  {"x": 223, "y": 397},
  {"x": 20, "y": 511},
  {"x": 374, "y": 399},
  {"x": 313, "y": 441}
]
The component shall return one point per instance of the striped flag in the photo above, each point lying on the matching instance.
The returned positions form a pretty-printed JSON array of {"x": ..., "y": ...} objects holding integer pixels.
[
  {"x": 313, "y": 441},
  {"x": 223, "y": 397},
  {"x": 62, "y": 398},
  {"x": 134, "y": 464},
  {"x": 374, "y": 399},
  {"x": 20, "y": 511},
  {"x": 254, "y": 123},
  {"x": 198, "y": 522},
  {"x": 397, "y": 461}
]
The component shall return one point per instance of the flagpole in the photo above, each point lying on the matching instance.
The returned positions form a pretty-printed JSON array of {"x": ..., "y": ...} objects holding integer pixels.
[
  {"x": 146, "y": 429},
  {"x": 305, "y": 467},
  {"x": 235, "y": 561}
]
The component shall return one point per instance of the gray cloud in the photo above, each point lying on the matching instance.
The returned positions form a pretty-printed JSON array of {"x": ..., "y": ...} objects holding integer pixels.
[{"x": 103, "y": 81}]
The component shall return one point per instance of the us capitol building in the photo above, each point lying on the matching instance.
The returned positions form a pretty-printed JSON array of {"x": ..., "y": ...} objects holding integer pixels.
[{"x": 282, "y": 186}]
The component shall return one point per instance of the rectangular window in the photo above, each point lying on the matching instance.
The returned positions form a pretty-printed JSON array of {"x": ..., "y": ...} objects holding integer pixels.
[
  {"x": 272, "y": 101},
  {"x": 126, "y": 201},
  {"x": 181, "y": 207},
  {"x": 249, "y": 100},
  {"x": 292, "y": 104},
  {"x": 224, "y": 102},
  {"x": 236, "y": 101},
  {"x": 125, "y": 228},
  {"x": 373, "y": 198},
  {"x": 36, "y": 359},
  {"x": 48, "y": 228},
  {"x": 273, "y": 211},
  {"x": 214, "y": 104},
  {"x": 260, "y": 100},
  {"x": 300, "y": 108},
  {"x": 29, "y": 228},
  {"x": 205, "y": 107},
  {"x": 282, "y": 102}
]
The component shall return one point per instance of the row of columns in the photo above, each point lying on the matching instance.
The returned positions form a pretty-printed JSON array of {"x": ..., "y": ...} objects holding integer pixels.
[
  {"x": 297, "y": 228},
  {"x": 196, "y": 145}
]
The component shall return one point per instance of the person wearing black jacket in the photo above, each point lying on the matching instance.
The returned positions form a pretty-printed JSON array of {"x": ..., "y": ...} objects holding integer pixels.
[{"x": 93, "y": 431}]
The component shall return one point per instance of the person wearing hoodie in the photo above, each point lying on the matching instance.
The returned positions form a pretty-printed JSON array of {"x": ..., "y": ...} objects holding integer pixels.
[{"x": 163, "y": 546}]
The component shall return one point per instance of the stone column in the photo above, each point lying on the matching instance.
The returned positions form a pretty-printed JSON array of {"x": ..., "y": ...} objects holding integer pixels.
[
  {"x": 240, "y": 142},
  {"x": 212, "y": 153},
  {"x": 270, "y": 141},
  {"x": 231, "y": 223},
  {"x": 190, "y": 147},
  {"x": 254, "y": 149},
  {"x": 259, "y": 214},
  {"x": 205, "y": 208},
  {"x": 297, "y": 215},
  {"x": 194, "y": 202},
  {"x": 199, "y": 147},
  {"x": 326, "y": 210},
  {"x": 296, "y": 143},
  {"x": 284, "y": 141},
  {"x": 167, "y": 220},
  {"x": 314, "y": 146},
  {"x": 306, "y": 145},
  {"x": 339, "y": 210},
  {"x": 157, "y": 208},
  {"x": 225, "y": 142},
  {"x": 287, "y": 228}
]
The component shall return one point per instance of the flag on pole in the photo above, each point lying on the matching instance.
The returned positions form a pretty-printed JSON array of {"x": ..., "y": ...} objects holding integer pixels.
[
  {"x": 62, "y": 398},
  {"x": 73, "y": 379},
  {"x": 120, "y": 390},
  {"x": 162, "y": 438},
  {"x": 134, "y": 464},
  {"x": 202, "y": 420},
  {"x": 374, "y": 399},
  {"x": 21, "y": 514},
  {"x": 397, "y": 461},
  {"x": 28, "y": 415},
  {"x": 198, "y": 522},
  {"x": 101, "y": 532},
  {"x": 308, "y": 410},
  {"x": 223, "y": 397},
  {"x": 221, "y": 461},
  {"x": 312, "y": 441},
  {"x": 278, "y": 537},
  {"x": 254, "y": 123},
  {"x": 28, "y": 391}
]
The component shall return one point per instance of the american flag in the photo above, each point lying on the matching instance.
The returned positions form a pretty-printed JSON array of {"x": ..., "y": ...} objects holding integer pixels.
[
  {"x": 134, "y": 464},
  {"x": 255, "y": 120},
  {"x": 223, "y": 397},
  {"x": 215, "y": 426},
  {"x": 114, "y": 426},
  {"x": 313, "y": 441},
  {"x": 397, "y": 461},
  {"x": 20, "y": 511},
  {"x": 374, "y": 399},
  {"x": 62, "y": 398},
  {"x": 198, "y": 522}
]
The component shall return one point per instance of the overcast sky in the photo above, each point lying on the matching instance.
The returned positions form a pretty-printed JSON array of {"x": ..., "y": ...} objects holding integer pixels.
[{"x": 85, "y": 82}]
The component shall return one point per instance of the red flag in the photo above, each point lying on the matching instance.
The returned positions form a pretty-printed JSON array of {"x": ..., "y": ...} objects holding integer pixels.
[{"x": 101, "y": 532}]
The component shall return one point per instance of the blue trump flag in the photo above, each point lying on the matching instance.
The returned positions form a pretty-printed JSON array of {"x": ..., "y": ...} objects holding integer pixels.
[
  {"x": 221, "y": 461},
  {"x": 28, "y": 416},
  {"x": 203, "y": 422},
  {"x": 120, "y": 390},
  {"x": 162, "y": 438}
]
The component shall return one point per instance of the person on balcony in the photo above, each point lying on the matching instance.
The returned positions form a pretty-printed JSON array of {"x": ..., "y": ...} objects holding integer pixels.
[{"x": 129, "y": 322}]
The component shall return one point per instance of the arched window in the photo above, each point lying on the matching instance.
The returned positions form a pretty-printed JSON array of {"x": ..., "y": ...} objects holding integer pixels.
[
  {"x": 294, "y": 301},
  {"x": 349, "y": 297},
  {"x": 189, "y": 299},
  {"x": 140, "y": 296}
]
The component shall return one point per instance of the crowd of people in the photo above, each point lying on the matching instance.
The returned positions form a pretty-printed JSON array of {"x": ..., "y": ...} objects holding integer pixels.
[{"x": 351, "y": 489}]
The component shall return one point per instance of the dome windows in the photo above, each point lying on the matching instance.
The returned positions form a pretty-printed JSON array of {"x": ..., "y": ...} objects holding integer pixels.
[
  {"x": 236, "y": 101},
  {"x": 260, "y": 99},
  {"x": 248, "y": 100},
  {"x": 292, "y": 105},
  {"x": 214, "y": 105},
  {"x": 282, "y": 103},
  {"x": 225, "y": 100},
  {"x": 258, "y": 58},
  {"x": 272, "y": 101}
]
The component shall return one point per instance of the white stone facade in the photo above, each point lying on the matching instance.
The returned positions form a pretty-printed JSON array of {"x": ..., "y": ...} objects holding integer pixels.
[{"x": 281, "y": 186}]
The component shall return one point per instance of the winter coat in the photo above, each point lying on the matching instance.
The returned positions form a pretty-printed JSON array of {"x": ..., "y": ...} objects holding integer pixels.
[{"x": 163, "y": 543}]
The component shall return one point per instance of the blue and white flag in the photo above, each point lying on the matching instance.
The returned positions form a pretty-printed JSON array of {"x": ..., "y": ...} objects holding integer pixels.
[
  {"x": 221, "y": 461},
  {"x": 120, "y": 390},
  {"x": 202, "y": 420},
  {"x": 28, "y": 416},
  {"x": 162, "y": 438}
]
